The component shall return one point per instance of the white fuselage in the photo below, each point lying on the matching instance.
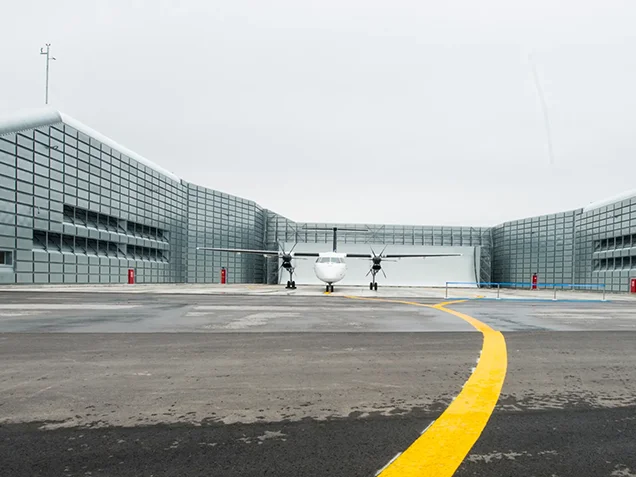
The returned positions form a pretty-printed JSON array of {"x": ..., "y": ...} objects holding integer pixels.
[{"x": 330, "y": 267}]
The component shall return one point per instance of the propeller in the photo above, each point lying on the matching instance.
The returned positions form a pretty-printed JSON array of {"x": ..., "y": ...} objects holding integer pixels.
[
  {"x": 287, "y": 257},
  {"x": 377, "y": 259}
]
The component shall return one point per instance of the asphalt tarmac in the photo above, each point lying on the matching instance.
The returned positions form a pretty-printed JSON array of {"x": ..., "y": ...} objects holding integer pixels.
[{"x": 163, "y": 385}]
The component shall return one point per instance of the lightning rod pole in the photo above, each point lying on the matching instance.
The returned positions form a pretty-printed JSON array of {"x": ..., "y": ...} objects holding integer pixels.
[{"x": 47, "y": 52}]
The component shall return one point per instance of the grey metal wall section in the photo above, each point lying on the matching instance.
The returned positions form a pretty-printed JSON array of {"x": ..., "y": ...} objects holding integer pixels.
[
  {"x": 543, "y": 245},
  {"x": 216, "y": 219},
  {"x": 583, "y": 247},
  {"x": 75, "y": 207},
  {"x": 606, "y": 245},
  {"x": 73, "y": 210}
]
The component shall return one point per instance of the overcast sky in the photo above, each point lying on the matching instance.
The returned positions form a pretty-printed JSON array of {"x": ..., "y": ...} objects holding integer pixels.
[{"x": 416, "y": 112}]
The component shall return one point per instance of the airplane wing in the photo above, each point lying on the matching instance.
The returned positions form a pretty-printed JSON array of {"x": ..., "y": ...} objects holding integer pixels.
[
  {"x": 241, "y": 250},
  {"x": 421, "y": 255},
  {"x": 259, "y": 252},
  {"x": 403, "y": 255}
]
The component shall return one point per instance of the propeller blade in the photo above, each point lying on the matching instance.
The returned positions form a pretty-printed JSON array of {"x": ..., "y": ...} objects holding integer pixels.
[
  {"x": 382, "y": 252},
  {"x": 292, "y": 249},
  {"x": 368, "y": 273},
  {"x": 373, "y": 251},
  {"x": 383, "y": 272}
]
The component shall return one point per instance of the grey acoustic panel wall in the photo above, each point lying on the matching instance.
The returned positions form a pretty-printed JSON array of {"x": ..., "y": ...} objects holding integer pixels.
[
  {"x": 606, "y": 245},
  {"x": 216, "y": 219},
  {"x": 52, "y": 169},
  {"x": 542, "y": 245},
  {"x": 595, "y": 247},
  {"x": 76, "y": 209}
]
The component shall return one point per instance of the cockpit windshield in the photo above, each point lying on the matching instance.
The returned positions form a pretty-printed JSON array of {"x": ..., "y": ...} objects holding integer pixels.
[{"x": 330, "y": 260}]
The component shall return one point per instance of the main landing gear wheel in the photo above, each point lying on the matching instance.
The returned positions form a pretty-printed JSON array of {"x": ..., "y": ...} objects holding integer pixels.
[
  {"x": 329, "y": 288},
  {"x": 293, "y": 285},
  {"x": 375, "y": 286}
]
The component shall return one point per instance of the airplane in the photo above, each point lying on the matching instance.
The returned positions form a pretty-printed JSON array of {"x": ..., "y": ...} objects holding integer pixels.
[{"x": 330, "y": 267}]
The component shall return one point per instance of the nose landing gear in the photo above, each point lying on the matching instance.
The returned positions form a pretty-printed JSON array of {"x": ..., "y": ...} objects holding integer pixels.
[
  {"x": 287, "y": 265},
  {"x": 291, "y": 284},
  {"x": 373, "y": 286},
  {"x": 329, "y": 288},
  {"x": 376, "y": 267}
]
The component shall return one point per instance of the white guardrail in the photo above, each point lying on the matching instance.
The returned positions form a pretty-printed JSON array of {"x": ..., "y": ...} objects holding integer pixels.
[{"x": 528, "y": 286}]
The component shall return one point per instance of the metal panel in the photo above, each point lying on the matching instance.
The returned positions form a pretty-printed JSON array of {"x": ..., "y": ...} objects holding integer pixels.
[{"x": 24, "y": 278}]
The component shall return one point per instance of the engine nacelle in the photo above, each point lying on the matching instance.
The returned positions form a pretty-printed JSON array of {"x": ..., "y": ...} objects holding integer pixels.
[{"x": 287, "y": 259}]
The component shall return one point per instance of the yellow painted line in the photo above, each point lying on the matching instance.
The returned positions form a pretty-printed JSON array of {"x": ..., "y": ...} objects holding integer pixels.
[{"x": 440, "y": 450}]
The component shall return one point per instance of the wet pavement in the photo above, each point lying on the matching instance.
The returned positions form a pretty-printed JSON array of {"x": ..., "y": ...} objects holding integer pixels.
[
  {"x": 122, "y": 313},
  {"x": 126, "y": 313},
  {"x": 162, "y": 385}
]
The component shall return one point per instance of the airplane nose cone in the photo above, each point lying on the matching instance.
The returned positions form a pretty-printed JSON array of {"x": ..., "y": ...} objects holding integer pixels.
[{"x": 330, "y": 273}]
